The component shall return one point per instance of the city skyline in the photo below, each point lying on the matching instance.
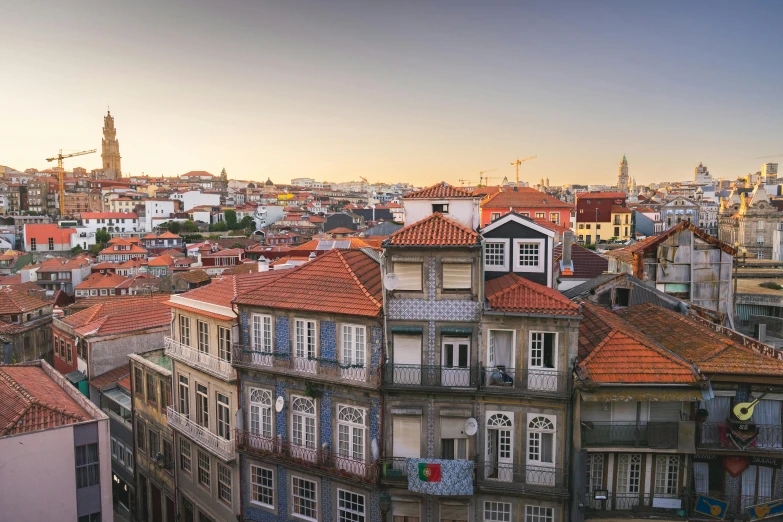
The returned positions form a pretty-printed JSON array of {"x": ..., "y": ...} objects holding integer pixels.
[{"x": 412, "y": 93}]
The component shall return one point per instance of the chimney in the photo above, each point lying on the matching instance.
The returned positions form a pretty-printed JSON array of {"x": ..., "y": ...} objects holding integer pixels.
[
  {"x": 566, "y": 264},
  {"x": 263, "y": 264}
]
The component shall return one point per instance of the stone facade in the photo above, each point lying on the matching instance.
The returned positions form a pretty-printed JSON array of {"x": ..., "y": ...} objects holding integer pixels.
[{"x": 749, "y": 221}]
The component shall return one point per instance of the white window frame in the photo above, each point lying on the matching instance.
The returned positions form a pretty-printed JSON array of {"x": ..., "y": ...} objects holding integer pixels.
[
  {"x": 539, "y": 513},
  {"x": 223, "y": 416},
  {"x": 294, "y": 496},
  {"x": 493, "y": 216},
  {"x": 351, "y": 514},
  {"x": 352, "y": 431},
  {"x": 305, "y": 347},
  {"x": 222, "y": 485},
  {"x": 556, "y": 215},
  {"x": 254, "y": 484},
  {"x": 183, "y": 444},
  {"x": 534, "y": 435},
  {"x": 353, "y": 351},
  {"x": 662, "y": 486},
  {"x": 310, "y": 449},
  {"x": 496, "y": 511},
  {"x": 262, "y": 338},
  {"x": 542, "y": 255},
  {"x": 491, "y": 358},
  {"x": 260, "y": 413},
  {"x": 497, "y": 268},
  {"x": 530, "y": 350}
]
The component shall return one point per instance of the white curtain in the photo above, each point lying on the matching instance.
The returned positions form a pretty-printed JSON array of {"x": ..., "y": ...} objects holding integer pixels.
[
  {"x": 701, "y": 472},
  {"x": 749, "y": 486},
  {"x": 718, "y": 408},
  {"x": 767, "y": 417},
  {"x": 764, "y": 486}
]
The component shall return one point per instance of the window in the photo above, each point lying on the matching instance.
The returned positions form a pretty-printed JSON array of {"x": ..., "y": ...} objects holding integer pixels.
[
  {"x": 94, "y": 517},
  {"x": 542, "y": 350},
  {"x": 33, "y": 244},
  {"x": 495, "y": 255},
  {"x": 524, "y": 214},
  {"x": 350, "y": 433},
  {"x": 629, "y": 472},
  {"x": 262, "y": 482},
  {"x": 443, "y": 208},
  {"x": 165, "y": 395},
  {"x": 223, "y": 417},
  {"x": 554, "y": 217},
  {"x": 581, "y": 226},
  {"x": 305, "y": 499},
  {"x": 350, "y": 507},
  {"x": 494, "y": 215},
  {"x": 667, "y": 470},
  {"x": 203, "y": 468},
  {"x": 138, "y": 381},
  {"x": 497, "y": 511},
  {"x": 184, "y": 455},
  {"x": 184, "y": 330},
  {"x": 457, "y": 276},
  {"x": 541, "y": 441},
  {"x": 262, "y": 333},
  {"x": 408, "y": 276},
  {"x": 202, "y": 406},
  {"x": 224, "y": 343},
  {"x": 152, "y": 392},
  {"x": 539, "y": 514},
  {"x": 184, "y": 396},
  {"x": 154, "y": 440},
  {"x": 304, "y": 342},
  {"x": 203, "y": 337},
  {"x": 303, "y": 425},
  {"x": 224, "y": 483},
  {"x": 141, "y": 436},
  {"x": 454, "y": 449},
  {"x": 51, "y": 243},
  {"x": 87, "y": 470},
  {"x": 540, "y": 215},
  {"x": 353, "y": 354},
  {"x": 529, "y": 255},
  {"x": 261, "y": 412},
  {"x": 595, "y": 476}
]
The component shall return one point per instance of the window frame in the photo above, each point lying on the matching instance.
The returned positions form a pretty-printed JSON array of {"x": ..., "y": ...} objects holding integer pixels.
[
  {"x": 203, "y": 336},
  {"x": 539, "y": 441},
  {"x": 262, "y": 410},
  {"x": 420, "y": 265},
  {"x": 351, "y": 428},
  {"x": 254, "y": 485},
  {"x": 224, "y": 343},
  {"x": 202, "y": 399},
  {"x": 305, "y": 338},
  {"x": 222, "y": 486},
  {"x": 540, "y": 268},
  {"x": 555, "y": 350},
  {"x": 492, "y": 513},
  {"x": 496, "y": 268},
  {"x": 184, "y": 330},
  {"x": 314, "y": 500},
  {"x": 223, "y": 415},
  {"x": 261, "y": 342},
  {"x": 183, "y": 459},
  {"x": 443, "y": 266},
  {"x": 539, "y": 513},
  {"x": 201, "y": 471},
  {"x": 348, "y": 354},
  {"x": 304, "y": 416},
  {"x": 88, "y": 471},
  {"x": 351, "y": 513},
  {"x": 184, "y": 398}
]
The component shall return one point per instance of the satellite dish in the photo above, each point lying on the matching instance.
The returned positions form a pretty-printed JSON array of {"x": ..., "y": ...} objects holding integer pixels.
[
  {"x": 471, "y": 426},
  {"x": 279, "y": 404},
  {"x": 390, "y": 281},
  {"x": 374, "y": 449}
]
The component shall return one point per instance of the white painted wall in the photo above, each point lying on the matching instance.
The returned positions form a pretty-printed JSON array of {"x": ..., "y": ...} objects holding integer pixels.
[
  {"x": 195, "y": 198},
  {"x": 156, "y": 208},
  {"x": 463, "y": 210}
]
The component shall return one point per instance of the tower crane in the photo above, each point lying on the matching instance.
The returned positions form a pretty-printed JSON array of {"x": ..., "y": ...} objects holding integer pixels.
[
  {"x": 517, "y": 163},
  {"x": 61, "y": 173},
  {"x": 481, "y": 175}
]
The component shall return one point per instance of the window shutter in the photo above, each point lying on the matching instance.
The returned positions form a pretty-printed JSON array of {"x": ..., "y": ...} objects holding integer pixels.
[
  {"x": 452, "y": 428},
  {"x": 594, "y": 411},
  {"x": 406, "y": 509},
  {"x": 453, "y": 512},
  {"x": 409, "y": 276},
  {"x": 407, "y": 349},
  {"x": 407, "y": 436},
  {"x": 664, "y": 411},
  {"x": 457, "y": 276}
]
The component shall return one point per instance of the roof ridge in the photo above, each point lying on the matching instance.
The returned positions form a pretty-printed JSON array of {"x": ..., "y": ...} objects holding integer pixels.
[{"x": 356, "y": 279}]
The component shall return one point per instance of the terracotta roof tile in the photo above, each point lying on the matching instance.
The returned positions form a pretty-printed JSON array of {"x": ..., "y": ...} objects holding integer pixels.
[
  {"x": 223, "y": 289},
  {"x": 435, "y": 230},
  {"x": 98, "y": 280},
  {"x": 511, "y": 293},
  {"x": 120, "y": 316},
  {"x": 524, "y": 197},
  {"x": 111, "y": 377},
  {"x": 194, "y": 276},
  {"x": 440, "y": 190},
  {"x": 626, "y": 254},
  {"x": 14, "y": 302},
  {"x": 587, "y": 264}
]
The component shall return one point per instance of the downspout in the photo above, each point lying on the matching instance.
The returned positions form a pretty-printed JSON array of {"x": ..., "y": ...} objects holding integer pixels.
[{"x": 239, "y": 399}]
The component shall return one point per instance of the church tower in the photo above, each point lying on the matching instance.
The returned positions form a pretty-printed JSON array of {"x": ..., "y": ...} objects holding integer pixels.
[
  {"x": 622, "y": 176},
  {"x": 110, "y": 149}
]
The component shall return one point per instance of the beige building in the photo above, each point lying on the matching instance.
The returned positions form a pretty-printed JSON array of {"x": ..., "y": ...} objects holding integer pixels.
[{"x": 749, "y": 221}]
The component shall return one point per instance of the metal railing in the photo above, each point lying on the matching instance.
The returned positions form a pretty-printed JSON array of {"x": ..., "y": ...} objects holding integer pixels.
[
  {"x": 415, "y": 375},
  {"x": 202, "y": 436},
  {"x": 630, "y": 502},
  {"x": 715, "y": 435},
  {"x": 505, "y": 476},
  {"x": 662, "y": 435},
  {"x": 202, "y": 361},
  {"x": 326, "y": 461},
  {"x": 505, "y": 380}
]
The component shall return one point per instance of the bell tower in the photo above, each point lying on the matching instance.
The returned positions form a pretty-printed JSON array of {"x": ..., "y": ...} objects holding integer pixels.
[
  {"x": 110, "y": 148},
  {"x": 622, "y": 176}
]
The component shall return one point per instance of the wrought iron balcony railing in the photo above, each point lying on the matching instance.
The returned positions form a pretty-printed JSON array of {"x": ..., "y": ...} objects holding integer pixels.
[
  {"x": 205, "y": 362},
  {"x": 662, "y": 435},
  {"x": 543, "y": 381},
  {"x": 328, "y": 462},
  {"x": 421, "y": 376},
  {"x": 202, "y": 436},
  {"x": 506, "y": 476},
  {"x": 718, "y": 435},
  {"x": 634, "y": 503}
]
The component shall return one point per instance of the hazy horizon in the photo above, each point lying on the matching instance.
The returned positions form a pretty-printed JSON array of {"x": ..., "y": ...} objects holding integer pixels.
[{"x": 397, "y": 91}]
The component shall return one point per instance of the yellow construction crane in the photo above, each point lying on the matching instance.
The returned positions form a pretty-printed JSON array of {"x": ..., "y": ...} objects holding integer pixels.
[
  {"x": 464, "y": 182},
  {"x": 481, "y": 175},
  {"x": 517, "y": 163},
  {"x": 61, "y": 174},
  {"x": 364, "y": 179}
]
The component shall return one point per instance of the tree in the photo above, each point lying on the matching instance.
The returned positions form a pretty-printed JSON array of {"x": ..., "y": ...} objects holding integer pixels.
[
  {"x": 174, "y": 227},
  {"x": 230, "y": 216},
  {"x": 77, "y": 250},
  {"x": 95, "y": 249},
  {"x": 218, "y": 227},
  {"x": 248, "y": 222},
  {"x": 102, "y": 237},
  {"x": 189, "y": 226}
]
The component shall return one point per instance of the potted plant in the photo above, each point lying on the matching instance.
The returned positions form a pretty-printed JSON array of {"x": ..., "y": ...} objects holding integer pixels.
[{"x": 702, "y": 415}]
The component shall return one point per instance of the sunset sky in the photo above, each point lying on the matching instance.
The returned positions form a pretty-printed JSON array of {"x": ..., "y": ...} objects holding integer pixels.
[{"x": 417, "y": 91}]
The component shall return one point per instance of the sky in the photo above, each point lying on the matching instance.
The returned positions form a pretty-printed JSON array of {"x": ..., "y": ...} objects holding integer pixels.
[{"x": 413, "y": 91}]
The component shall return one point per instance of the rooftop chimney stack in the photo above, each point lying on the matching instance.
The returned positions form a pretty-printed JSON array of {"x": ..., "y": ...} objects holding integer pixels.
[{"x": 566, "y": 264}]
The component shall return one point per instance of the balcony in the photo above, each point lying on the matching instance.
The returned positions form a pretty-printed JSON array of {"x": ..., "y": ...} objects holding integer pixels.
[
  {"x": 718, "y": 436},
  {"x": 201, "y": 361},
  {"x": 625, "y": 504},
  {"x": 221, "y": 447},
  {"x": 325, "y": 461},
  {"x": 655, "y": 435},
  {"x": 420, "y": 376},
  {"x": 542, "y": 381},
  {"x": 315, "y": 368},
  {"x": 495, "y": 477}
]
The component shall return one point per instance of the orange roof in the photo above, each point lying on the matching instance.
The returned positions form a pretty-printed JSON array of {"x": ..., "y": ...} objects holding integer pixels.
[
  {"x": 524, "y": 197},
  {"x": 440, "y": 190},
  {"x": 512, "y": 293},
  {"x": 131, "y": 239},
  {"x": 617, "y": 209},
  {"x": 118, "y": 316},
  {"x": 98, "y": 280},
  {"x": 624, "y": 355},
  {"x": 41, "y": 232},
  {"x": 340, "y": 282},
  {"x": 30, "y": 400},
  {"x": 163, "y": 260},
  {"x": 110, "y": 377},
  {"x": 341, "y": 230},
  {"x": 601, "y": 195},
  {"x": 222, "y": 290},
  {"x": 14, "y": 302},
  {"x": 134, "y": 249},
  {"x": 587, "y": 264},
  {"x": 434, "y": 230}
]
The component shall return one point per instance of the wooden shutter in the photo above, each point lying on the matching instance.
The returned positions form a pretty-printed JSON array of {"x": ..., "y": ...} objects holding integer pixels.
[
  {"x": 457, "y": 276},
  {"x": 409, "y": 276},
  {"x": 406, "y": 434}
]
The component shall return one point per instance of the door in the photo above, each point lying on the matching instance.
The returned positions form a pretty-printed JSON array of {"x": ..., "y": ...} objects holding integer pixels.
[
  {"x": 623, "y": 428},
  {"x": 157, "y": 506},
  {"x": 171, "y": 515},
  {"x": 540, "y": 450},
  {"x": 542, "y": 362},
  {"x": 455, "y": 368},
  {"x": 407, "y": 359},
  {"x": 500, "y": 453},
  {"x": 629, "y": 473}
]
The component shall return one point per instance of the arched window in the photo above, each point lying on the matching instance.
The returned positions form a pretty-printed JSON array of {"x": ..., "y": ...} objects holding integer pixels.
[
  {"x": 303, "y": 425},
  {"x": 261, "y": 412},
  {"x": 541, "y": 440},
  {"x": 351, "y": 433}
]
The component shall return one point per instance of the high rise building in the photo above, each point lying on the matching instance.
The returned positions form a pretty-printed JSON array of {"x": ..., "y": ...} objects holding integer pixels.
[
  {"x": 622, "y": 176},
  {"x": 110, "y": 149},
  {"x": 702, "y": 176},
  {"x": 769, "y": 173}
]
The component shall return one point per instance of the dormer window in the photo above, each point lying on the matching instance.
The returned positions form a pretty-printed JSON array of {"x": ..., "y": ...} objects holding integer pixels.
[
  {"x": 529, "y": 255},
  {"x": 496, "y": 255},
  {"x": 443, "y": 208}
]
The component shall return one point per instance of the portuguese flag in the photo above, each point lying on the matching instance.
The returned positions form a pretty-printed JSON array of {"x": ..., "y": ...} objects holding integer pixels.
[{"x": 429, "y": 472}]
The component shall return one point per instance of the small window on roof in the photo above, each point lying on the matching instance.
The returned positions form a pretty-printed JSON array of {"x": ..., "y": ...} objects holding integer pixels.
[
  {"x": 443, "y": 208},
  {"x": 622, "y": 296}
]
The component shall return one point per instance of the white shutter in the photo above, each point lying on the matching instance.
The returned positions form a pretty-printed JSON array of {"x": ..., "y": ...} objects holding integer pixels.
[
  {"x": 408, "y": 276},
  {"x": 457, "y": 276},
  {"x": 452, "y": 428},
  {"x": 664, "y": 411},
  {"x": 595, "y": 412},
  {"x": 406, "y": 509},
  {"x": 406, "y": 434},
  {"x": 407, "y": 349},
  {"x": 453, "y": 512}
]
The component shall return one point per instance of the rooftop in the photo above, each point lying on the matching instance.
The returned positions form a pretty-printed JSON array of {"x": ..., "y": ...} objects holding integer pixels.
[
  {"x": 512, "y": 293},
  {"x": 14, "y": 302},
  {"x": 434, "y": 231},
  {"x": 117, "y": 316},
  {"x": 440, "y": 190},
  {"x": 524, "y": 197},
  {"x": 587, "y": 264}
]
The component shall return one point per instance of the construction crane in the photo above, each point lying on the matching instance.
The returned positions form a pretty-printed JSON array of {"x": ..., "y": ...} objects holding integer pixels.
[
  {"x": 517, "y": 163},
  {"x": 481, "y": 175},
  {"x": 61, "y": 174},
  {"x": 464, "y": 182},
  {"x": 364, "y": 179}
]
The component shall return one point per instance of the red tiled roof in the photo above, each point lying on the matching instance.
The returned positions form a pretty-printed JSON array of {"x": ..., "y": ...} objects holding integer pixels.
[
  {"x": 121, "y": 316},
  {"x": 620, "y": 354},
  {"x": 601, "y": 195},
  {"x": 124, "y": 240},
  {"x": 617, "y": 209},
  {"x": 13, "y": 302},
  {"x": 30, "y": 401},
  {"x": 440, "y": 190},
  {"x": 162, "y": 260},
  {"x": 225, "y": 253},
  {"x": 140, "y": 281},
  {"x": 341, "y": 230},
  {"x": 434, "y": 230},
  {"x": 340, "y": 281},
  {"x": 524, "y": 197},
  {"x": 554, "y": 227},
  {"x": 587, "y": 264},
  {"x": 511, "y": 293},
  {"x": 193, "y": 276},
  {"x": 110, "y": 377},
  {"x": 134, "y": 249},
  {"x": 125, "y": 383},
  {"x": 222, "y": 290},
  {"x": 41, "y": 232},
  {"x": 98, "y": 280}
]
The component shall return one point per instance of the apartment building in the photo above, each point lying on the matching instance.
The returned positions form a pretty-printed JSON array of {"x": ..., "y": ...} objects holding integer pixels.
[
  {"x": 525, "y": 201},
  {"x": 601, "y": 216}
]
